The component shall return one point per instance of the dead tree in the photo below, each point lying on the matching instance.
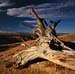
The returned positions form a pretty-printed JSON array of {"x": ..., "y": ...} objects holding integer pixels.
[
  {"x": 44, "y": 50},
  {"x": 40, "y": 27},
  {"x": 53, "y": 26},
  {"x": 51, "y": 33}
]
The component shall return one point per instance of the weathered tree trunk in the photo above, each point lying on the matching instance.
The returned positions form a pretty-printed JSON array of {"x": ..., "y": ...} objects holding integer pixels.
[{"x": 43, "y": 51}]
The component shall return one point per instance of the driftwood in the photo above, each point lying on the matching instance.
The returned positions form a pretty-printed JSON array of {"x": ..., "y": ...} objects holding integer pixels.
[
  {"x": 66, "y": 59},
  {"x": 47, "y": 38}
]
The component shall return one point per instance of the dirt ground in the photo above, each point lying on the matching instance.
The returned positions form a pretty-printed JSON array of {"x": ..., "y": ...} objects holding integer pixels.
[{"x": 37, "y": 66}]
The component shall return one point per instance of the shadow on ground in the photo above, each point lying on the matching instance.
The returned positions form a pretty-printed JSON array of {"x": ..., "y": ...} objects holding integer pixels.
[{"x": 70, "y": 44}]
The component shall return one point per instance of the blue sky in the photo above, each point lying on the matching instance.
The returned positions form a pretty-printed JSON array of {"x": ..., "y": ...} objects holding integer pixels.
[{"x": 14, "y": 16}]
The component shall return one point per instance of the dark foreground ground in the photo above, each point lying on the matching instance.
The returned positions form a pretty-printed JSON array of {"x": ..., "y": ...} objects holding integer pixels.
[{"x": 37, "y": 66}]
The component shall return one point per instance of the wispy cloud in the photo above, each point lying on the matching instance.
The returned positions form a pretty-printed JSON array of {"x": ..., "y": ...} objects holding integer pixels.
[
  {"x": 43, "y": 9},
  {"x": 5, "y": 4},
  {"x": 13, "y": 12},
  {"x": 28, "y": 21},
  {"x": 58, "y": 9}
]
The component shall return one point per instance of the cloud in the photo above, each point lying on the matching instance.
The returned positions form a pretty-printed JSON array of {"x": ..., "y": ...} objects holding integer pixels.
[
  {"x": 13, "y": 12},
  {"x": 5, "y": 4},
  {"x": 28, "y": 21},
  {"x": 46, "y": 10},
  {"x": 54, "y": 10},
  {"x": 21, "y": 12},
  {"x": 42, "y": 8}
]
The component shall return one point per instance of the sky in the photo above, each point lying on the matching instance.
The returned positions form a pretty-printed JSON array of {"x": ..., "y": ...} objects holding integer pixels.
[{"x": 14, "y": 15}]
